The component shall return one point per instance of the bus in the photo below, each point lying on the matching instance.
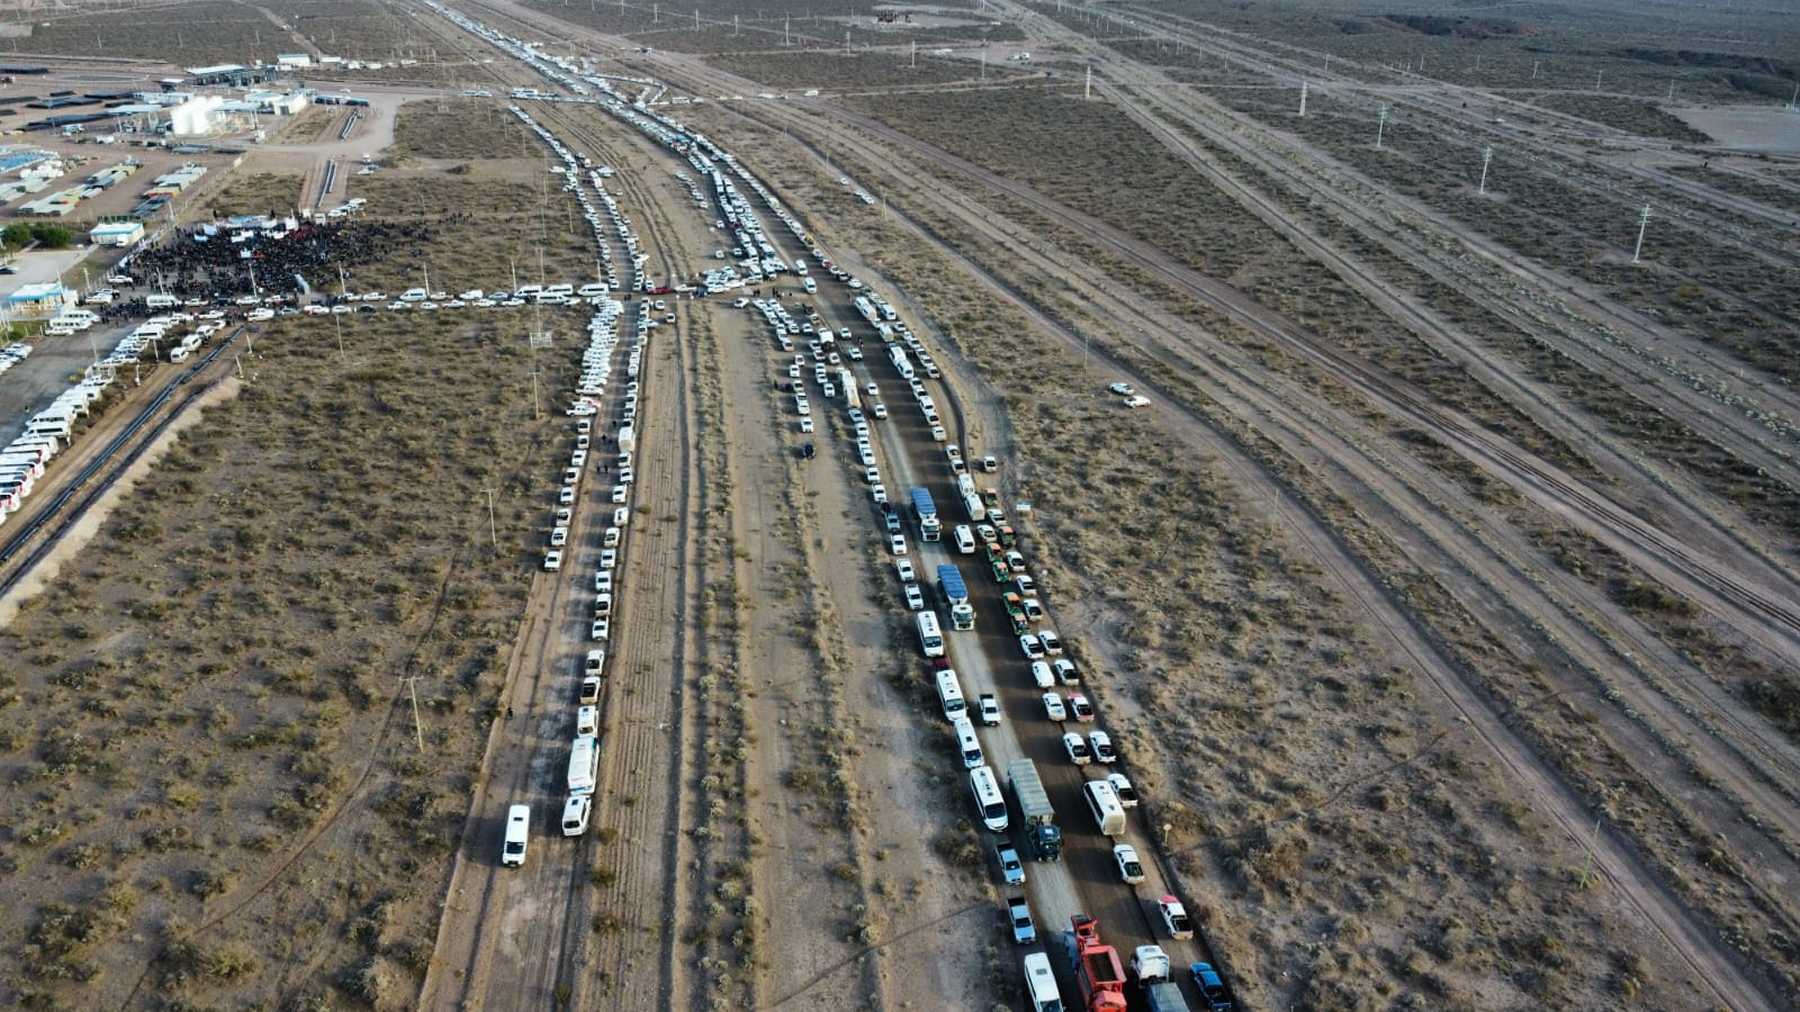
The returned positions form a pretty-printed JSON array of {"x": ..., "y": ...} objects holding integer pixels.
[
  {"x": 988, "y": 800},
  {"x": 931, "y": 635},
  {"x": 950, "y": 694},
  {"x": 968, "y": 747},
  {"x": 584, "y": 764},
  {"x": 1103, "y": 805}
]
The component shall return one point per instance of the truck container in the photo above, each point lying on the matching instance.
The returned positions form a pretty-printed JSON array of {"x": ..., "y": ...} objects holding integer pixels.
[
  {"x": 956, "y": 595},
  {"x": 627, "y": 438},
  {"x": 867, "y": 310},
  {"x": 925, "y": 512},
  {"x": 1099, "y": 976},
  {"x": 1042, "y": 838},
  {"x": 1165, "y": 996},
  {"x": 898, "y": 355},
  {"x": 848, "y": 380}
]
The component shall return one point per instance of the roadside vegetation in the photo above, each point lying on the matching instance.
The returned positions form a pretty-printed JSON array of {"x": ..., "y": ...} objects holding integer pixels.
[
  {"x": 1274, "y": 745},
  {"x": 208, "y": 716}
]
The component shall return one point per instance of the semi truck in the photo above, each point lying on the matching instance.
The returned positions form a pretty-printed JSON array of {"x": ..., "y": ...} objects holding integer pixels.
[
  {"x": 956, "y": 595},
  {"x": 848, "y": 380},
  {"x": 1042, "y": 839},
  {"x": 867, "y": 310},
  {"x": 1099, "y": 975},
  {"x": 925, "y": 512}
]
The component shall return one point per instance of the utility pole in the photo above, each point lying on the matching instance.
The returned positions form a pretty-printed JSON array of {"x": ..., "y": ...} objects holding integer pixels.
[
  {"x": 1302, "y": 99},
  {"x": 338, "y": 321},
  {"x": 696, "y": 19},
  {"x": 1643, "y": 223},
  {"x": 915, "y": 54},
  {"x": 1487, "y": 155},
  {"x": 1380, "y": 127},
  {"x": 784, "y": 31},
  {"x": 1794, "y": 99},
  {"x": 1534, "y": 68},
  {"x": 1087, "y": 89},
  {"x": 984, "y": 64},
  {"x": 1597, "y": 76},
  {"x": 493, "y": 532}
]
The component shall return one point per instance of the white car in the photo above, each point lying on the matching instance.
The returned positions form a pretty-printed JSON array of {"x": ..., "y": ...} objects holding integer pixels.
[
  {"x": 873, "y": 475},
  {"x": 1137, "y": 402},
  {"x": 575, "y": 814},
  {"x": 559, "y": 536},
  {"x": 1065, "y": 671},
  {"x": 915, "y": 601},
  {"x": 1076, "y": 747},
  {"x": 1032, "y": 648},
  {"x": 1123, "y": 389},
  {"x": 1121, "y": 785},
  {"x": 898, "y": 544},
  {"x": 990, "y": 710},
  {"x": 587, "y": 720},
  {"x": 1101, "y": 743},
  {"x": 609, "y": 558},
  {"x": 599, "y": 629},
  {"x": 619, "y": 492},
  {"x": 1131, "y": 870},
  {"x": 1174, "y": 917},
  {"x": 553, "y": 560},
  {"x": 1051, "y": 643},
  {"x": 1080, "y": 707},
  {"x": 518, "y": 833},
  {"x": 566, "y": 497},
  {"x": 611, "y": 538},
  {"x": 905, "y": 568},
  {"x": 596, "y": 659},
  {"x": 879, "y": 492},
  {"x": 1053, "y": 708},
  {"x": 602, "y": 605}
]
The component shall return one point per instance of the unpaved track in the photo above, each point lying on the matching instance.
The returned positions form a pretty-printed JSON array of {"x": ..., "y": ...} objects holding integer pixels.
[
  {"x": 1636, "y": 885},
  {"x": 1512, "y": 749}
]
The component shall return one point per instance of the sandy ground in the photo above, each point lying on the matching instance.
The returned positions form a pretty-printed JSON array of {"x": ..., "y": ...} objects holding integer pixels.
[
  {"x": 42, "y": 575},
  {"x": 1763, "y": 128}
]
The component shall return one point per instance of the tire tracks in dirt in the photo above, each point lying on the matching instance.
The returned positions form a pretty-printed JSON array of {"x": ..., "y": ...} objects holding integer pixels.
[{"x": 1557, "y": 799}]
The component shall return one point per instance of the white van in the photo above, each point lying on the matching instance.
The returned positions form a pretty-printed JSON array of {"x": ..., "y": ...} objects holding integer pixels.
[
  {"x": 584, "y": 764},
  {"x": 1103, "y": 805},
  {"x": 931, "y": 635},
  {"x": 988, "y": 800},
  {"x": 967, "y": 745},
  {"x": 950, "y": 694},
  {"x": 518, "y": 833},
  {"x": 1040, "y": 984},
  {"x": 965, "y": 539},
  {"x": 161, "y": 301},
  {"x": 587, "y": 721},
  {"x": 575, "y": 814},
  {"x": 414, "y": 295}
]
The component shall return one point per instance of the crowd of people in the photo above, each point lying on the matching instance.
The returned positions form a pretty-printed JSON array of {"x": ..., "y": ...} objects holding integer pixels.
[{"x": 194, "y": 265}]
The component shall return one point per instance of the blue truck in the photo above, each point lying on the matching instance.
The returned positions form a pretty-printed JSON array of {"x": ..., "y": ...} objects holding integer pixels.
[
  {"x": 956, "y": 595},
  {"x": 925, "y": 512}
]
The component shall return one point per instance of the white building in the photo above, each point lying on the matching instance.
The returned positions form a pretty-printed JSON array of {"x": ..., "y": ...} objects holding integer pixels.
[{"x": 289, "y": 61}]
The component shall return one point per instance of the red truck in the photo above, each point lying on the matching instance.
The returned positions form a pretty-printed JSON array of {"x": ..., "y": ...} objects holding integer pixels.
[{"x": 1096, "y": 966}]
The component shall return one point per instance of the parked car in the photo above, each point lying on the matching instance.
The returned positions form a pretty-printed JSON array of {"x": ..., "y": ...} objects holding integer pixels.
[
  {"x": 1101, "y": 743},
  {"x": 1121, "y": 785},
  {"x": 1012, "y": 870},
  {"x": 1080, "y": 707},
  {"x": 1131, "y": 870},
  {"x": 1076, "y": 746},
  {"x": 990, "y": 709},
  {"x": 1019, "y": 913},
  {"x": 1032, "y": 648},
  {"x": 1174, "y": 918},
  {"x": 1040, "y": 673},
  {"x": 1053, "y": 707}
]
